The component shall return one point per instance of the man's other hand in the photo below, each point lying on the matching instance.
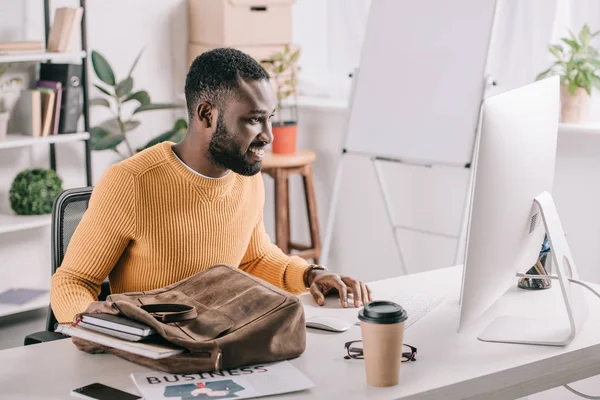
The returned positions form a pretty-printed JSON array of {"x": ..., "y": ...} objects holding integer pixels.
[{"x": 323, "y": 283}]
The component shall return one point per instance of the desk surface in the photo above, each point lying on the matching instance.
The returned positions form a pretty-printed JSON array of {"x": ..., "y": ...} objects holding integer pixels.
[{"x": 449, "y": 366}]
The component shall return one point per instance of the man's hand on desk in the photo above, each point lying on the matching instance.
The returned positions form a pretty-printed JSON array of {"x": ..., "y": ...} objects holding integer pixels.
[{"x": 322, "y": 283}]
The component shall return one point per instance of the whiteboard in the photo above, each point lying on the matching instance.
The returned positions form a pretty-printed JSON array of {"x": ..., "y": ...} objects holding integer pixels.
[{"x": 421, "y": 80}]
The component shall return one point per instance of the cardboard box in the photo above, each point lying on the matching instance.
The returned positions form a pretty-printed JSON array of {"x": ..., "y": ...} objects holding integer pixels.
[
  {"x": 259, "y": 53},
  {"x": 229, "y": 23}
]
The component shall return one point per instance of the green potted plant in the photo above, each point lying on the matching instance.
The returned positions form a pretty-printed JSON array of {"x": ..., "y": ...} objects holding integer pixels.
[
  {"x": 33, "y": 191},
  {"x": 576, "y": 64},
  {"x": 283, "y": 68},
  {"x": 117, "y": 94},
  {"x": 4, "y": 111}
]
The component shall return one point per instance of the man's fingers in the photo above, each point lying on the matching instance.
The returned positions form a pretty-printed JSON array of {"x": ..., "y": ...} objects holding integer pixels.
[
  {"x": 342, "y": 290},
  {"x": 317, "y": 294},
  {"x": 365, "y": 293},
  {"x": 357, "y": 292},
  {"x": 369, "y": 292}
]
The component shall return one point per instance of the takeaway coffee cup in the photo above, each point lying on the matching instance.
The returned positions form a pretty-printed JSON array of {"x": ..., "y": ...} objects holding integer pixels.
[{"x": 382, "y": 327}]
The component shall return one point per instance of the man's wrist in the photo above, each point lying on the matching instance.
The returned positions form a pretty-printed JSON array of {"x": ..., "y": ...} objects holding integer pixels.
[{"x": 310, "y": 273}]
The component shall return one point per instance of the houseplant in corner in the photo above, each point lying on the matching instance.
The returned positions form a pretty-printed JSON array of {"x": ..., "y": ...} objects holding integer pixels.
[
  {"x": 119, "y": 95},
  {"x": 576, "y": 64},
  {"x": 283, "y": 69}
]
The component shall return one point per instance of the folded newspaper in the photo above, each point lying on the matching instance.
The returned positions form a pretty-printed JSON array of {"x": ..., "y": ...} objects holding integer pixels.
[{"x": 240, "y": 383}]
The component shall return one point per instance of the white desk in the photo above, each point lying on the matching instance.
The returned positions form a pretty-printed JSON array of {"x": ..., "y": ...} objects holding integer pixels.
[{"x": 449, "y": 365}]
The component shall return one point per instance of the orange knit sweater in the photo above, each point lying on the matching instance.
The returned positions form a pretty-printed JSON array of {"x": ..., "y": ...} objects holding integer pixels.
[{"x": 152, "y": 222}]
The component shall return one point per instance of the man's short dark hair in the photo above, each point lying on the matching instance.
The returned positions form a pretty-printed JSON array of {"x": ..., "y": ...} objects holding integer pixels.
[{"x": 215, "y": 74}]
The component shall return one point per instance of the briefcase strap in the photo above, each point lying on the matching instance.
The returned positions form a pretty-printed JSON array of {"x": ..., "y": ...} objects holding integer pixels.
[{"x": 168, "y": 313}]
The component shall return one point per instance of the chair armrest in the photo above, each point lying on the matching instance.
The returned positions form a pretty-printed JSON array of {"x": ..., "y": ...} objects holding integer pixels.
[{"x": 42, "y": 337}]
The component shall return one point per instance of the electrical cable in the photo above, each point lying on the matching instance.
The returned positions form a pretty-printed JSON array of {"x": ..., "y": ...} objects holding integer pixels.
[{"x": 588, "y": 287}]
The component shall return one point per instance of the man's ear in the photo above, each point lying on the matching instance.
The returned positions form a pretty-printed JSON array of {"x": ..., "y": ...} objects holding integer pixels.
[{"x": 206, "y": 113}]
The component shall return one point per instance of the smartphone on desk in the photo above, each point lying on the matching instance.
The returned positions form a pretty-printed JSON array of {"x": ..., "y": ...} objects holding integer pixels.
[{"x": 98, "y": 391}]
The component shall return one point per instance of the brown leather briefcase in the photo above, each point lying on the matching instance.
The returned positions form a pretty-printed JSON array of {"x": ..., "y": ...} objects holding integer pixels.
[{"x": 223, "y": 317}]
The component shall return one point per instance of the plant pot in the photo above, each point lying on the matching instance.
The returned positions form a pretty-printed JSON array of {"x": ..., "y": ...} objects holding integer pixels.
[
  {"x": 4, "y": 116},
  {"x": 284, "y": 138},
  {"x": 574, "y": 108}
]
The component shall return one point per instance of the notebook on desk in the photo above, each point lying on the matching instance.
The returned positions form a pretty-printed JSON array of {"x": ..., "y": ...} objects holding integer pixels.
[
  {"x": 117, "y": 323},
  {"x": 152, "y": 349}
]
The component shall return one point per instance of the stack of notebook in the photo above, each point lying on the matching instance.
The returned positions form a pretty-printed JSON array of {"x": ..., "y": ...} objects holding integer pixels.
[
  {"x": 23, "y": 46},
  {"x": 37, "y": 112},
  {"x": 64, "y": 28},
  {"x": 120, "y": 333}
]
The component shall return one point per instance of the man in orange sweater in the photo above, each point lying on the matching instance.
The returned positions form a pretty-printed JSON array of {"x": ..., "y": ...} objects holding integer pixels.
[{"x": 172, "y": 211}]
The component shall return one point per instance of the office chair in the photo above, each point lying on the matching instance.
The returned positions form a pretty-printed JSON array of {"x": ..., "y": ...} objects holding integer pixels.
[{"x": 67, "y": 211}]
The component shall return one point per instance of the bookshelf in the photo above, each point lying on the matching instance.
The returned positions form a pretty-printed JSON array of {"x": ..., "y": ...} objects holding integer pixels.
[
  {"x": 15, "y": 140},
  {"x": 41, "y": 56},
  {"x": 9, "y": 221},
  {"x": 14, "y": 223}
]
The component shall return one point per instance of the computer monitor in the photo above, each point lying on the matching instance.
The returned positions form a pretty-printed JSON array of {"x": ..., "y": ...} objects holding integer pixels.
[{"x": 511, "y": 210}]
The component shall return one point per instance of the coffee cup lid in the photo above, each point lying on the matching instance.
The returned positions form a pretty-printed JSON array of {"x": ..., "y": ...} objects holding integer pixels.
[{"x": 382, "y": 312}]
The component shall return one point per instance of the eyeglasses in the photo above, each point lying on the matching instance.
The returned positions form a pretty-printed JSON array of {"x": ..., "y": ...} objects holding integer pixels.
[{"x": 355, "y": 351}]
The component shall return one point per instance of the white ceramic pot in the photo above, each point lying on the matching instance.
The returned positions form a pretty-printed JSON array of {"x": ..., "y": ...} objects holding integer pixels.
[
  {"x": 4, "y": 116},
  {"x": 574, "y": 108}
]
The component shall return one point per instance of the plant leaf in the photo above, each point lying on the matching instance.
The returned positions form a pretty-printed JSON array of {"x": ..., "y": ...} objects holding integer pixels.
[
  {"x": 160, "y": 138},
  {"x": 596, "y": 81},
  {"x": 178, "y": 137},
  {"x": 106, "y": 92},
  {"x": 131, "y": 124},
  {"x": 102, "y": 68},
  {"x": 99, "y": 101},
  {"x": 142, "y": 96},
  {"x": 572, "y": 87},
  {"x": 571, "y": 43},
  {"x": 157, "y": 106},
  {"x": 584, "y": 35},
  {"x": 124, "y": 87},
  {"x": 111, "y": 126},
  {"x": 181, "y": 124},
  {"x": 295, "y": 56},
  {"x": 135, "y": 63},
  {"x": 102, "y": 140},
  {"x": 595, "y": 63}
]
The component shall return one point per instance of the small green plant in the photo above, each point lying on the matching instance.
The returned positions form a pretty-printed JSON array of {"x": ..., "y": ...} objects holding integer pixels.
[
  {"x": 33, "y": 191},
  {"x": 283, "y": 68},
  {"x": 113, "y": 131},
  {"x": 577, "y": 64}
]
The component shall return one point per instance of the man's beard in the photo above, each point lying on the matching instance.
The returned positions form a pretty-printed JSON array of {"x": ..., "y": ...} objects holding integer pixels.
[{"x": 224, "y": 150}]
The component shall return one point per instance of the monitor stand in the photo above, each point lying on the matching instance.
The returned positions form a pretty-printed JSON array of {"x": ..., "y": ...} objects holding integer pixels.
[{"x": 544, "y": 331}]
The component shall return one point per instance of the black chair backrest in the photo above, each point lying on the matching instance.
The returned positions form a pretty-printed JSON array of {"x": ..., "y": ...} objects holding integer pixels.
[{"x": 68, "y": 209}]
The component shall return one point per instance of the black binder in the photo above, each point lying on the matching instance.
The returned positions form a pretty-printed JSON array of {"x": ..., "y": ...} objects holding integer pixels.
[{"x": 72, "y": 97}]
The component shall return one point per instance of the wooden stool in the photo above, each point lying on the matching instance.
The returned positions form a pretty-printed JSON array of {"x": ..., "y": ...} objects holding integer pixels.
[{"x": 280, "y": 167}]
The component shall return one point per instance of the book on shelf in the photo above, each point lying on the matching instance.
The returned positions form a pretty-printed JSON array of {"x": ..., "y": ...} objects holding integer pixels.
[
  {"x": 48, "y": 100},
  {"x": 26, "y": 116},
  {"x": 37, "y": 111},
  {"x": 56, "y": 87},
  {"x": 241, "y": 383},
  {"x": 64, "y": 28},
  {"x": 24, "y": 46},
  {"x": 70, "y": 76},
  {"x": 154, "y": 348}
]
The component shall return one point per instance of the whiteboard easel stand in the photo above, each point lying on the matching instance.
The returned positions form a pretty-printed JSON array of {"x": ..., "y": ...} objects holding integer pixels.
[{"x": 384, "y": 193}]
